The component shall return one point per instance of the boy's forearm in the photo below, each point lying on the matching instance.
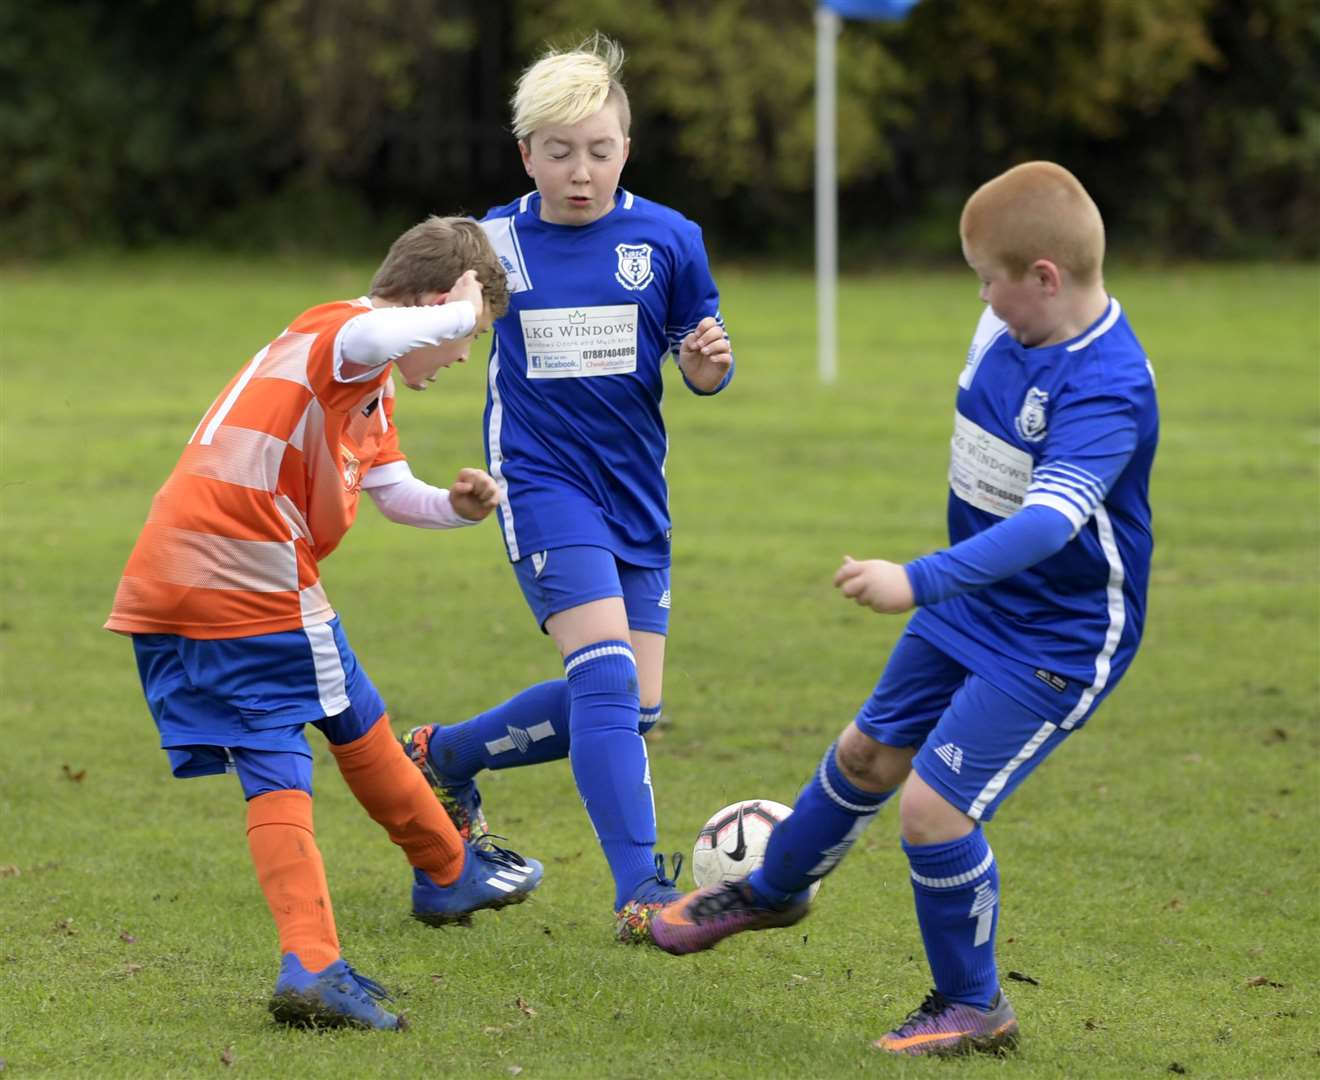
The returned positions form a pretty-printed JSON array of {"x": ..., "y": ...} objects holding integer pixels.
[
  {"x": 411, "y": 501},
  {"x": 382, "y": 335},
  {"x": 1028, "y": 537}
]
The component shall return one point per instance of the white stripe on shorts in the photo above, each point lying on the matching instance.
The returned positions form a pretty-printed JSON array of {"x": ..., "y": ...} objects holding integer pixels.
[
  {"x": 997, "y": 782},
  {"x": 330, "y": 681}
]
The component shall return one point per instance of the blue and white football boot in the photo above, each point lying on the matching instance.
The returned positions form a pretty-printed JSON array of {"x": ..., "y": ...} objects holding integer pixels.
[
  {"x": 493, "y": 877},
  {"x": 335, "y": 997}
]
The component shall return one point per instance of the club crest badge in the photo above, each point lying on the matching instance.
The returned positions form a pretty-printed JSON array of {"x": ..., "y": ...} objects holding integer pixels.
[
  {"x": 1031, "y": 420},
  {"x": 352, "y": 468},
  {"x": 634, "y": 266}
]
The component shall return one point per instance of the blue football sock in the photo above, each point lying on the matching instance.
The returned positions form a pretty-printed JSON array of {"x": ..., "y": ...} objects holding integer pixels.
[
  {"x": 956, "y": 886},
  {"x": 827, "y": 819},
  {"x": 647, "y": 718},
  {"x": 529, "y": 728},
  {"x": 609, "y": 761}
]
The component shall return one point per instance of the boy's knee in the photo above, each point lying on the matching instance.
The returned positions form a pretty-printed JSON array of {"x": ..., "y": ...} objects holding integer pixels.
[
  {"x": 927, "y": 817},
  {"x": 871, "y": 765}
]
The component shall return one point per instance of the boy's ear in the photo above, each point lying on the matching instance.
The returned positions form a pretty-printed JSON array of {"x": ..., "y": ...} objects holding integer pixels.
[
  {"x": 1048, "y": 275},
  {"x": 428, "y": 298}
]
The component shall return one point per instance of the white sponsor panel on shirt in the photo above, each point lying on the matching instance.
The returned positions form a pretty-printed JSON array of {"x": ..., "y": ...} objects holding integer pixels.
[
  {"x": 577, "y": 343},
  {"x": 986, "y": 471}
]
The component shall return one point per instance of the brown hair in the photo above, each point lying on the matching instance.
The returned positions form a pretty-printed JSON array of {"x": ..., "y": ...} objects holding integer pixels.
[
  {"x": 1037, "y": 210},
  {"x": 432, "y": 255}
]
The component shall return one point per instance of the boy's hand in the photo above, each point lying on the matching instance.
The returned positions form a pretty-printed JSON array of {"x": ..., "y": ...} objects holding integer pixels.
[
  {"x": 875, "y": 583},
  {"x": 474, "y": 494},
  {"x": 705, "y": 355},
  {"x": 468, "y": 288}
]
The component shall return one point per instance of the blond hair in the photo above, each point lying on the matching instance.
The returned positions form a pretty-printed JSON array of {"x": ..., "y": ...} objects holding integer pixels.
[
  {"x": 565, "y": 87},
  {"x": 1037, "y": 210},
  {"x": 432, "y": 255}
]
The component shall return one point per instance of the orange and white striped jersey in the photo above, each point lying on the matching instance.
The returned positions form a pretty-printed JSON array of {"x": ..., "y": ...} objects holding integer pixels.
[{"x": 266, "y": 487}]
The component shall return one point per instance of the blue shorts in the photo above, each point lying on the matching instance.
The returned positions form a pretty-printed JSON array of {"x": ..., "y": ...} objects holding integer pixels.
[
  {"x": 229, "y": 702},
  {"x": 975, "y": 743},
  {"x": 563, "y": 578}
]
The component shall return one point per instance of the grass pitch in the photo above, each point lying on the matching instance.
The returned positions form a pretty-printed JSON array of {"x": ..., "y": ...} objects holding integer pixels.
[{"x": 1160, "y": 875}]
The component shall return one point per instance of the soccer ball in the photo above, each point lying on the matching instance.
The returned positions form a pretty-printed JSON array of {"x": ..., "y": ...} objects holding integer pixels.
[{"x": 732, "y": 843}]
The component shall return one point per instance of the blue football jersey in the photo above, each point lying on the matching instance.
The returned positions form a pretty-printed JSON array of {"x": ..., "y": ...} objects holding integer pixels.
[
  {"x": 574, "y": 434},
  {"x": 1072, "y": 427}
]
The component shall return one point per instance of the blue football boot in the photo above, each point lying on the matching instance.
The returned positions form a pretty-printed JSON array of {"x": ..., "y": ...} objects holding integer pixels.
[
  {"x": 492, "y": 877},
  {"x": 335, "y": 997}
]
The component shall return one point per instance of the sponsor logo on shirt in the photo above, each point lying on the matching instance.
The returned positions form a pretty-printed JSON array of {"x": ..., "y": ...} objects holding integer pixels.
[
  {"x": 987, "y": 472},
  {"x": 571, "y": 343},
  {"x": 634, "y": 270}
]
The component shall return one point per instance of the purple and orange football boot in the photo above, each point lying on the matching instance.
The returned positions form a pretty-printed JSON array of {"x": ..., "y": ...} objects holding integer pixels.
[
  {"x": 944, "y": 1028},
  {"x": 702, "y": 919}
]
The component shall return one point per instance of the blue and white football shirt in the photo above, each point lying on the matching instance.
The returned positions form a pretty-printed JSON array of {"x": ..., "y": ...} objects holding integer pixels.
[
  {"x": 1071, "y": 428},
  {"x": 574, "y": 434}
]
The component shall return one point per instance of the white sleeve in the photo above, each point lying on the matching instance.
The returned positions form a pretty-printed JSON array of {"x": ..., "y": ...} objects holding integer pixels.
[
  {"x": 373, "y": 339},
  {"x": 402, "y": 497}
]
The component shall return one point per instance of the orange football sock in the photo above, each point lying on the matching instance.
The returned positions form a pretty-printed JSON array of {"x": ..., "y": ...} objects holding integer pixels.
[
  {"x": 397, "y": 796},
  {"x": 292, "y": 875}
]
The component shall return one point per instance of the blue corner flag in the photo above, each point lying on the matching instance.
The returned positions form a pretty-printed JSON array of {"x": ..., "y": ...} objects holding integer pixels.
[{"x": 870, "y": 9}]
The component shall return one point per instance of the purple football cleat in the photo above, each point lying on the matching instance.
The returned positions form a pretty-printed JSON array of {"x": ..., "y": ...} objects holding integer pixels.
[
  {"x": 943, "y": 1027},
  {"x": 706, "y": 917}
]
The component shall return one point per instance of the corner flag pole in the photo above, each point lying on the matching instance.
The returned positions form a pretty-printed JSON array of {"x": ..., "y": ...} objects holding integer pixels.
[
  {"x": 829, "y": 21},
  {"x": 827, "y": 199}
]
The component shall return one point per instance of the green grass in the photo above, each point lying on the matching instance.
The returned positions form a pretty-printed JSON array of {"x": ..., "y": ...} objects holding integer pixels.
[{"x": 1161, "y": 863}]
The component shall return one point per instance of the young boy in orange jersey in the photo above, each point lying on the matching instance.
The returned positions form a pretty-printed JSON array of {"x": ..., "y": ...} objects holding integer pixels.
[{"x": 236, "y": 644}]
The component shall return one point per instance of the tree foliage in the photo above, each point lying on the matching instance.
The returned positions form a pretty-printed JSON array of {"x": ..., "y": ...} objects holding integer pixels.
[{"x": 1196, "y": 123}]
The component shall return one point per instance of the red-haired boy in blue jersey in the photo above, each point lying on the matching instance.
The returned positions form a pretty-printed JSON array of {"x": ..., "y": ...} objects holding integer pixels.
[{"x": 1025, "y": 623}]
